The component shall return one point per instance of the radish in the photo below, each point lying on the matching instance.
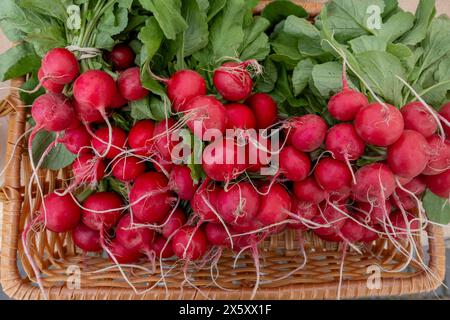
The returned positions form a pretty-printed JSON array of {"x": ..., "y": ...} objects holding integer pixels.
[
  {"x": 439, "y": 152},
  {"x": 208, "y": 112},
  {"x": 444, "y": 113},
  {"x": 150, "y": 197},
  {"x": 403, "y": 200},
  {"x": 121, "y": 254},
  {"x": 132, "y": 237},
  {"x": 264, "y": 109},
  {"x": 352, "y": 231},
  {"x": 161, "y": 164},
  {"x": 345, "y": 105},
  {"x": 86, "y": 239},
  {"x": 121, "y": 56},
  {"x": 173, "y": 222},
  {"x": 233, "y": 81},
  {"x": 87, "y": 114},
  {"x": 130, "y": 85},
  {"x": 183, "y": 86},
  {"x": 239, "y": 204},
  {"x": 332, "y": 175},
  {"x": 217, "y": 235},
  {"x": 76, "y": 140},
  {"x": 332, "y": 220},
  {"x": 128, "y": 168},
  {"x": 344, "y": 143},
  {"x": 239, "y": 116},
  {"x": 102, "y": 210},
  {"x": 309, "y": 191},
  {"x": 223, "y": 160},
  {"x": 189, "y": 243},
  {"x": 439, "y": 184},
  {"x": 87, "y": 169},
  {"x": 307, "y": 133},
  {"x": 118, "y": 100},
  {"x": 48, "y": 84},
  {"x": 374, "y": 182},
  {"x": 419, "y": 119},
  {"x": 275, "y": 205},
  {"x": 95, "y": 89},
  {"x": 60, "y": 66},
  {"x": 376, "y": 212},
  {"x": 109, "y": 145},
  {"x": 305, "y": 211},
  {"x": 408, "y": 156},
  {"x": 379, "y": 125},
  {"x": 417, "y": 186},
  {"x": 204, "y": 202},
  {"x": 52, "y": 112},
  {"x": 258, "y": 152},
  {"x": 399, "y": 222},
  {"x": 162, "y": 135},
  {"x": 162, "y": 247},
  {"x": 140, "y": 137},
  {"x": 294, "y": 165},
  {"x": 180, "y": 181},
  {"x": 59, "y": 213}
]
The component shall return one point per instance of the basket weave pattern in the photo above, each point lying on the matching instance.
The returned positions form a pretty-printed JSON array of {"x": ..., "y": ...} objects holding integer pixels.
[{"x": 55, "y": 254}]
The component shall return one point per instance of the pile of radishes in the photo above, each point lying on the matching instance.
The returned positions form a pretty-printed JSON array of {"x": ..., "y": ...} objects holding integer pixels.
[{"x": 319, "y": 185}]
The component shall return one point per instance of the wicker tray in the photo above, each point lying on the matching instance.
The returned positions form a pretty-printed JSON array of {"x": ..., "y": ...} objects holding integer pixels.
[{"x": 58, "y": 259}]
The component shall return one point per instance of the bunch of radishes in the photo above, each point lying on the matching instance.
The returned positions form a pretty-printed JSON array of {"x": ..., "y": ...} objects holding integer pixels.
[{"x": 319, "y": 184}]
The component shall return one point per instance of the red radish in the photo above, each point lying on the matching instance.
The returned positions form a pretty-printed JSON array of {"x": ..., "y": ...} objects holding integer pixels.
[
  {"x": 130, "y": 85},
  {"x": 419, "y": 119},
  {"x": 102, "y": 137},
  {"x": 49, "y": 85},
  {"x": 352, "y": 231},
  {"x": 77, "y": 140},
  {"x": 379, "y": 125},
  {"x": 439, "y": 184},
  {"x": 401, "y": 225},
  {"x": 60, "y": 66},
  {"x": 86, "y": 239},
  {"x": 294, "y": 165},
  {"x": 88, "y": 169},
  {"x": 416, "y": 186},
  {"x": 444, "y": 112},
  {"x": 150, "y": 197},
  {"x": 180, "y": 181},
  {"x": 375, "y": 211},
  {"x": 123, "y": 255},
  {"x": 217, "y": 235},
  {"x": 94, "y": 89},
  {"x": 439, "y": 153},
  {"x": 239, "y": 116},
  {"x": 52, "y": 112},
  {"x": 208, "y": 112},
  {"x": 60, "y": 213},
  {"x": 344, "y": 143},
  {"x": 204, "y": 201},
  {"x": 121, "y": 56},
  {"x": 264, "y": 108},
  {"x": 163, "y": 137},
  {"x": 369, "y": 236},
  {"x": 118, "y": 100},
  {"x": 133, "y": 237},
  {"x": 238, "y": 204},
  {"x": 332, "y": 220},
  {"x": 374, "y": 182},
  {"x": 102, "y": 210},
  {"x": 408, "y": 156},
  {"x": 161, "y": 164},
  {"x": 189, "y": 243},
  {"x": 304, "y": 210},
  {"x": 403, "y": 200},
  {"x": 162, "y": 247},
  {"x": 173, "y": 222},
  {"x": 258, "y": 152},
  {"x": 140, "y": 137},
  {"x": 183, "y": 86},
  {"x": 128, "y": 168},
  {"x": 233, "y": 81},
  {"x": 309, "y": 191},
  {"x": 345, "y": 105},
  {"x": 223, "y": 160},
  {"x": 252, "y": 225},
  {"x": 332, "y": 175},
  {"x": 275, "y": 206},
  {"x": 87, "y": 114},
  {"x": 307, "y": 133}
]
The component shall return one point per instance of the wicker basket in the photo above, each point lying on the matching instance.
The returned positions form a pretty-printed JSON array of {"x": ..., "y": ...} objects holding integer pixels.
[{"x": 59, "y": 260}]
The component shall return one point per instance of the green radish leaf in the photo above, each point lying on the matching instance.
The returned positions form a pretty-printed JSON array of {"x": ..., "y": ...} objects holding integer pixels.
[
  {"x": 47, "y": 38},
  {"x": 391, "y": 6},
  {"x": 196, "y": 35},
  {"x": 117, "y": 186},
  {"x": 425, "y": 12},
  {"x": 368, "y": 43},
  {"x": 436, "y": 44},
  {"x": 215, "y": 6},
  {"x": 58, "y": 158},
  {"x": 308, "y": 36},
  {"x": 302, "y": 75},
  {"x": 437, "y": 209},
  {"x": 399, "y": 50},
  {"x": 122, "y": 121},
  {"x": 266, "y": 82},
  {"x": 256, "y": 43},
  {"x": 150, "y": 108},
  {"x": 396, "y": 26},
  {"x": 281, "y": 43},
  {"x": 30, "y": 84},
  {"x": 151, "y": 37},
  {"x": 168, "y": 15},
  {"x": 327, "y": 78},
  {"x": 56, "y": 9},
  {"x": 277, "y": 11},
  {"x": 18, "y": 61}
]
